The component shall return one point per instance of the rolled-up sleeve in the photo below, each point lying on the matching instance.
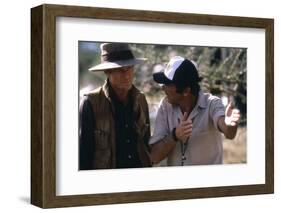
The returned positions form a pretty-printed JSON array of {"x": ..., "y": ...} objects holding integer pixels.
[
  {"x": 217, "y": 110},
  {"x": 161, "y": 129}
]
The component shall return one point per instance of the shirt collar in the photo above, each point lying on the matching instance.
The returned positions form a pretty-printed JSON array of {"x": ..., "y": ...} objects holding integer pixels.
[{"x": 201, "y": 100}]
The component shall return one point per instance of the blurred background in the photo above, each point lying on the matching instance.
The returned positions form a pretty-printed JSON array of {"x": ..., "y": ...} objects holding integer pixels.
[{"x": 223, "y": 70}]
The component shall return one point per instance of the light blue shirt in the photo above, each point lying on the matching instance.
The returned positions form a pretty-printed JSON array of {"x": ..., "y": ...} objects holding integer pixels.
[{"x": 205, "y": 143}]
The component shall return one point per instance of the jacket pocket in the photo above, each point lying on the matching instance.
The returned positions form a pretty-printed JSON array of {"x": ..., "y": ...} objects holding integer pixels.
[
  {"x": 101, "y": 139},
  {"x": 102, "y": 150}
]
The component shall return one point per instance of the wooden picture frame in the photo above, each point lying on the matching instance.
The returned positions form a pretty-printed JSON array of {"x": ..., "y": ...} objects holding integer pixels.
[{"x": 43, "y": 105}]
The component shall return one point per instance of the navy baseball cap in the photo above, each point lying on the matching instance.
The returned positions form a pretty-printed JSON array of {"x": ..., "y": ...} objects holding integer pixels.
[{"x": 179, "y": 71}]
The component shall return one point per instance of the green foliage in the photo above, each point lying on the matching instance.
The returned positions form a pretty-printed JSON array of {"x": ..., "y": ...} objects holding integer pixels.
[
  {"x": 89, "y": 55},
  {"x": 223, "y": 69}
]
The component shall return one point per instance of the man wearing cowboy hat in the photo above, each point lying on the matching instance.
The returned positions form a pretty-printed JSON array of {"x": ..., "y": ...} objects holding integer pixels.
[
  {"x": 114, "y": 127},
  {"x": 189, "y": 122}
]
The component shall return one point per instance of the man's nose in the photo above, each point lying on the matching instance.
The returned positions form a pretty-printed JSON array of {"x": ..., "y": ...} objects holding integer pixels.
[{"x": 127, "y": 75}]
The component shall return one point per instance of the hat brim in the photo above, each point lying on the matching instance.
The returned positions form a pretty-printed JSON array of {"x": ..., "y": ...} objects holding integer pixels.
[
  {"x": 117, "y": 64},
  {"x": 160, "y": 78}
]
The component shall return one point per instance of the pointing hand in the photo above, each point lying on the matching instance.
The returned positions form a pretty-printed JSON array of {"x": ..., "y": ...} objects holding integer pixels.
[{"x": 184, "y": 129}]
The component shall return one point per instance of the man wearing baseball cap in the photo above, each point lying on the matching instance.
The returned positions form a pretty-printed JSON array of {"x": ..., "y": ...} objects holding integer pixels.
[
  {"x": 114, "y": 126},
  {"x": 189, "y": 122}
]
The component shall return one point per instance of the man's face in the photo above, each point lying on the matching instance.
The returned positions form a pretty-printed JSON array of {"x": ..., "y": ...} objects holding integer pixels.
[
  {"x": 121, "y": 78},
  {"x": 170, "y": 90}
]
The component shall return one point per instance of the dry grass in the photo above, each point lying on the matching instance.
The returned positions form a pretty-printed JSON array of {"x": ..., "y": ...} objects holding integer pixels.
[{"x": 235, "y": 151}]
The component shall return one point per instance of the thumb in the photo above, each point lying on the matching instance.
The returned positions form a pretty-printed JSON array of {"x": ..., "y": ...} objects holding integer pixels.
[{"x": 229, "y": 108}]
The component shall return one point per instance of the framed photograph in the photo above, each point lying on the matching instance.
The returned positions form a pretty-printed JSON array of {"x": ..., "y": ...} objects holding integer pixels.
[{"x": 74, "y": 52}]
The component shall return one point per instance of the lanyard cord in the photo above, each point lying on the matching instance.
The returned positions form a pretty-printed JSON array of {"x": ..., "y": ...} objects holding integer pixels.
[{"x": 183, "y": 151}]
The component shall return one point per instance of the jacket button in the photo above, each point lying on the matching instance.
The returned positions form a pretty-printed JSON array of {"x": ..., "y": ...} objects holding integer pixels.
[
  {"x": 129, "y": 156},
  {"x": 128, "y": 141}
]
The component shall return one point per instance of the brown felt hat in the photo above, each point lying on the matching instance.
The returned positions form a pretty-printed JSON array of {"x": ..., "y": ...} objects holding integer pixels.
[{"x": 116, "y": 55}]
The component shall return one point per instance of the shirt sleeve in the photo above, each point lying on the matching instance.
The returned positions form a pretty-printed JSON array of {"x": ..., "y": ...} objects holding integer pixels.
[
  {"x": 86, "y": 135},
  {"x": 217, "y": 110},
  {"x": 161, "y": 129}
]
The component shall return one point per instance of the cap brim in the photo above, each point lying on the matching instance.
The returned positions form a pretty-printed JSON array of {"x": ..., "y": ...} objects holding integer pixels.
[
  {"x": 117, "y": 64},
  {"x": 160, "y": 78}
]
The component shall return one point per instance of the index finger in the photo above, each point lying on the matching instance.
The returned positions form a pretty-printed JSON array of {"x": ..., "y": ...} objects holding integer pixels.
[{"x": 184, "y": 118}]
